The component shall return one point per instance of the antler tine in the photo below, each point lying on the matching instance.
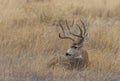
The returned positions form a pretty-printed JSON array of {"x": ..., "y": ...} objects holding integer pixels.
[
  {"x": 70, "y": 30},
  {"x": 83, "y": 26},
  {"x": 81, "y": 32},
  {"x": 68, "y": 26},
  {"x": 62, "y": 28},
  {"x": 65, "y": 37}
]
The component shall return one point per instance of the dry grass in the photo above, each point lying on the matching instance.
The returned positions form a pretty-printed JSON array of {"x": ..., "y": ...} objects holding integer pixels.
[{"x": 28, "y": 39}]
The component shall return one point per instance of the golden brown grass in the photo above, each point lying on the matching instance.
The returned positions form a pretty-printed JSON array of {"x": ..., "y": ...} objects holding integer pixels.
[{"x": 28, "y": 39}]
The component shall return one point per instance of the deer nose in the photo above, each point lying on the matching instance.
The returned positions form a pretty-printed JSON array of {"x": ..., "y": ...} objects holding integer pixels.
[{"x": 67, "y": 54}]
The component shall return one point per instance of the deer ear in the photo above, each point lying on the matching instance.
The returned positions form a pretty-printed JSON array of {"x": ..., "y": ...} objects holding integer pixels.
[{"x": 86, "y": 38}]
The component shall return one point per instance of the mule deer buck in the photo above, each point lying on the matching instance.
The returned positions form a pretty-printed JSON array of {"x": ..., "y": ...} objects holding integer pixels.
[{"x": 76, "y": 56}]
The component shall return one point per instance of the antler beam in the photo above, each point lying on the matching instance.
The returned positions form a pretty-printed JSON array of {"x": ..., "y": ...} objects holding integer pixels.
[
  {"x": 64, "y": 37},
  {"x": 82, "y": 31}
]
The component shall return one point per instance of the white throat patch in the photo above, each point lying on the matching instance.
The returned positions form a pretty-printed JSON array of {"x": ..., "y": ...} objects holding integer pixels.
[{"x": 71, "y": 51}]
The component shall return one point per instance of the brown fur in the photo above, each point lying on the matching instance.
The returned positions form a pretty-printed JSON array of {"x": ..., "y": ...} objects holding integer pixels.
[{"x": 71, "y": 62}]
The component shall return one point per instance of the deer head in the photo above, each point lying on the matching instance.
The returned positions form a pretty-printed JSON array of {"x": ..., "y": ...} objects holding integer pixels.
[{"x": 81, "y": 37}]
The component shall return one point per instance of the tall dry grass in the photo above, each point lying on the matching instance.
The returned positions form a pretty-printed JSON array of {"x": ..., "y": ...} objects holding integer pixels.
[{"x": 29, "y": 39}]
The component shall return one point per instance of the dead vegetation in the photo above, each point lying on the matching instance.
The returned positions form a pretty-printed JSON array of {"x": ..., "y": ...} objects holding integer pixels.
[{"x": 28, "y": 39}]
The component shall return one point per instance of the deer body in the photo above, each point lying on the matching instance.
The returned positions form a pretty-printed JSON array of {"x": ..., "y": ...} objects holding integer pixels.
[
  {"x": 79, "y": 59},
  {"x": 76, "y": 56}
]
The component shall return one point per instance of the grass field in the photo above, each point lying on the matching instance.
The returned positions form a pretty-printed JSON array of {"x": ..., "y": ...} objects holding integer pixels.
[{"x": 29, "y": 39}]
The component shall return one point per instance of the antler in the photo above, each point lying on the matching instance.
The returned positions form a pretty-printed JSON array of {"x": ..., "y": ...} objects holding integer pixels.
[
  {"x": 70, "y": 30},
  {"x": 83, "y": 27},
  {"x": 82, "y": 31},
  {"x": 64, "y": 37}
]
